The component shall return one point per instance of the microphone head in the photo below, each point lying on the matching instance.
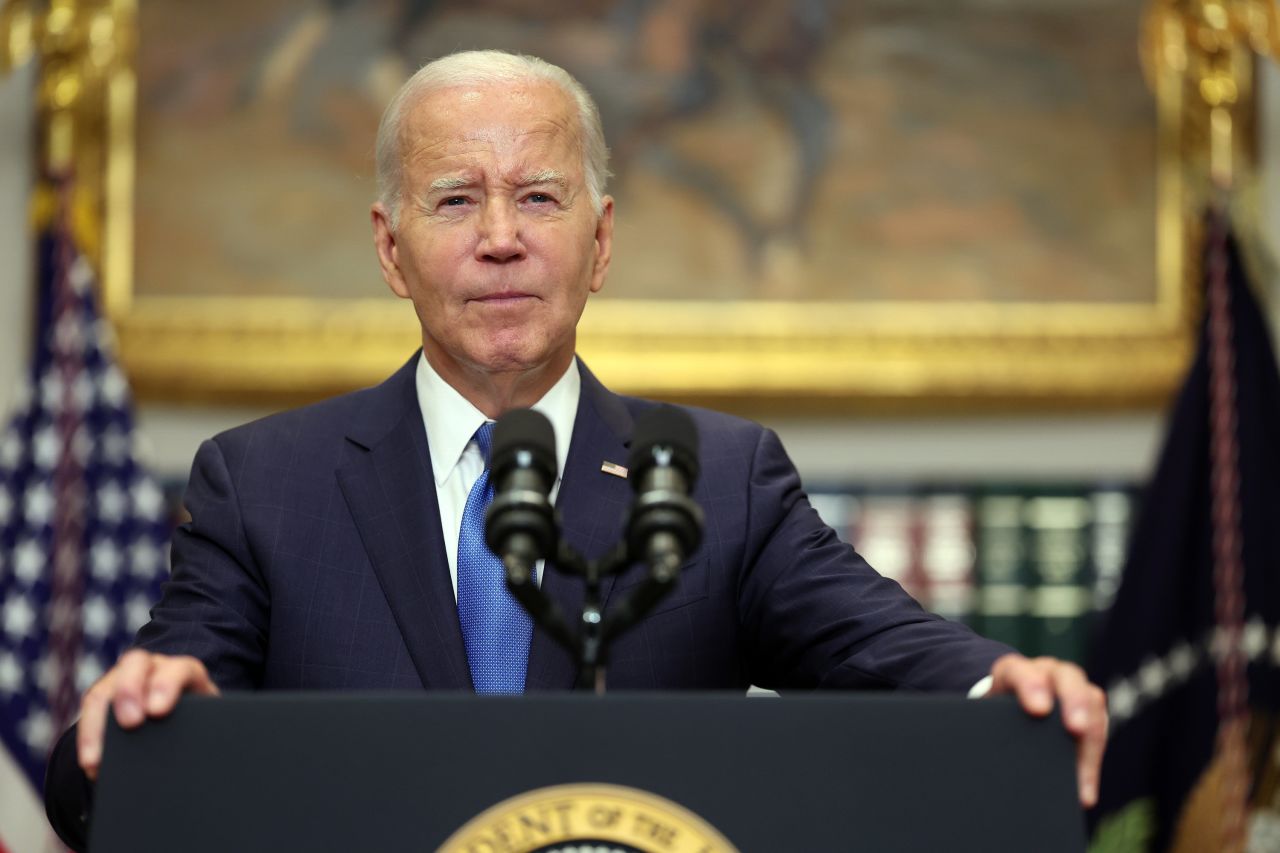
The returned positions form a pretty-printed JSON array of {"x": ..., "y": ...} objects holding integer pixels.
[
  {"x": 523, "y": 438},
  {"x": 664, "y": 435}
]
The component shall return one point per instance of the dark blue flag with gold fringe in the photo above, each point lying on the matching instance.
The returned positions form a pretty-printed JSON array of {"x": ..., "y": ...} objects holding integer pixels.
[{"x": 1189, "y": 652}]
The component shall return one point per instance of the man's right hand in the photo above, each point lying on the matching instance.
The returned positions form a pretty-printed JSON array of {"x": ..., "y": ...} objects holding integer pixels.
[{"x": 139, "y": 686}]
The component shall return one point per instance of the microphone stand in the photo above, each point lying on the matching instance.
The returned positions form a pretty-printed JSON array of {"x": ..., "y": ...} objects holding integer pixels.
[
  {"x": 590, "y": 644},
  {"x": 664, "y": 524}
]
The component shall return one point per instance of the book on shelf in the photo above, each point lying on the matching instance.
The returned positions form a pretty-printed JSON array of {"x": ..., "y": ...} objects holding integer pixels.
[
  {"x": 947, "y": 554},
  {"x": 1058, "y": 552},
  {"x": 1003, "y": 581}
]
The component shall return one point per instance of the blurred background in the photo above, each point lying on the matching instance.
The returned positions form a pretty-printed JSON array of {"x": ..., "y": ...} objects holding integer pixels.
[
  {"x": 933, "y": 157},
  {"x": 999, "y": 164}
]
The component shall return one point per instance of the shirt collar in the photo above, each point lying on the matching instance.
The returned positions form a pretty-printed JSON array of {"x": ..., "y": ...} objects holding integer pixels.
[{"x": 451, "y": 420}]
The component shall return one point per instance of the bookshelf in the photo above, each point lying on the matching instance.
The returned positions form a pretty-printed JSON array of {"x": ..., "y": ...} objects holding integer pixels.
[{"x": 1028, "y": 563}]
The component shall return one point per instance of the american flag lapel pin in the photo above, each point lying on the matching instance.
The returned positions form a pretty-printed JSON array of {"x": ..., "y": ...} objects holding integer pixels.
[{"x": 613, "y": 468}]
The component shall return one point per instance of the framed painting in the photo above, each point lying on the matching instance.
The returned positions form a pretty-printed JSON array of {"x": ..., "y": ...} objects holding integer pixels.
[{"x": 819, "y": 205}]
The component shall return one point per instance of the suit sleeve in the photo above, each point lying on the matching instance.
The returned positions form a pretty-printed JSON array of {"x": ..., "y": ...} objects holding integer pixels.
[
  {"x": 818, "y": 616},
  {"x": 216, "y": 604}
]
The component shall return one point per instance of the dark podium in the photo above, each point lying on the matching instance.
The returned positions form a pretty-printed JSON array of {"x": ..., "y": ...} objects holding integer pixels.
[{"x": 372, "y": 772}]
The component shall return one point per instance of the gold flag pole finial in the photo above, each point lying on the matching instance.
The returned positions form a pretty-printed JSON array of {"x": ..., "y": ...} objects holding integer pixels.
[
  {"x": 1207, "y": 49},
  {"x": 82, "y": 47}
]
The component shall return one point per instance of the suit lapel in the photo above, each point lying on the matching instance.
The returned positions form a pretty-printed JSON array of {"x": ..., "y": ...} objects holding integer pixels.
[
  {"x": 592, "y": 505},
  {"x": 390, "y": 490}
]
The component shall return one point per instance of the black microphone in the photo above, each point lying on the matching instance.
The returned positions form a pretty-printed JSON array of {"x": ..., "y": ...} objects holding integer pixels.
[
  {"x": 520, "y": 523},
  {"x": 665, "y": 524}
]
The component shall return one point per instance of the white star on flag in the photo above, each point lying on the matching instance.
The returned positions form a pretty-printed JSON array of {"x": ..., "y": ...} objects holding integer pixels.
[
  {"x": 19, "y": 618},
  {"x": 112, "y": 502},
  {"x": 28, "y": 561},
  {"x": 47, "y": 448},
  {"x": 147, "y": 498},
  {"x": 37, "y": 730},
  {"x": 38, "y": 504},
  {"x": 10, "y": 674},
  {"x": 51, "y": 391},
  {"x": 137, "y": 612},
  {"x": 115, "y": 446},
  {"x": 105, "y": 560},
  {"x": 113, "y": 386},
  {"x": 99, "y": 617},
  {"x": 144, "y": 557},
  {"x": 88, "y": 670}
]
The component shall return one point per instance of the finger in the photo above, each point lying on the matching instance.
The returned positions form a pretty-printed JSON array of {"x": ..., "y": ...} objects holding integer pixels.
[
  {"x": 170, "y": 678},
  {"x": 93, "y": 719},
  {"x": 1090, "y": 747},
  {"x": 1076, "y": 697},
  {"x": 1084, "y": 708},
  {"x": 1029, "y": 680},
  {"x": 132, "y": 671},
  {"x": 1084, "y": 715}
]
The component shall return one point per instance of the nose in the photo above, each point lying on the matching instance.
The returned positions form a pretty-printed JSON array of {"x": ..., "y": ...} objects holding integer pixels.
[{"x": 499, "y": 233}]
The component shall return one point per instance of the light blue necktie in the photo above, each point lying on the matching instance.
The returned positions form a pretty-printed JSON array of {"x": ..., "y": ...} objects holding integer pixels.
[{"x": 495, "y": 628}]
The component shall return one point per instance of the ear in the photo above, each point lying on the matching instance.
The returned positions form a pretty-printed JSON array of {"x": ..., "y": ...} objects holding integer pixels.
[
  {"x": 604, "y": 244},
  {"x": 384, "y": 241}
]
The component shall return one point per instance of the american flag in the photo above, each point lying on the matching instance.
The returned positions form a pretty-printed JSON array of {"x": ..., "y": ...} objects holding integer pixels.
[{"x": 84, "y": 534}]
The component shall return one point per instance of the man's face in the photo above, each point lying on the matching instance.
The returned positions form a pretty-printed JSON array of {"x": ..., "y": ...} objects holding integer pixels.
[{"x": 498, "y": 245}]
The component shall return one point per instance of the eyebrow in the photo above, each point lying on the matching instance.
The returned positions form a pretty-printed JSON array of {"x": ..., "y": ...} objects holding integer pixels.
[
  {"x": 448, "y": 184},
  {"x": 546, "y": 176}
]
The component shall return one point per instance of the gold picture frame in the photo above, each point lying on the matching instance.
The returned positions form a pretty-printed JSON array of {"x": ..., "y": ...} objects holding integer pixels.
[{"x": 758, "y": 354}]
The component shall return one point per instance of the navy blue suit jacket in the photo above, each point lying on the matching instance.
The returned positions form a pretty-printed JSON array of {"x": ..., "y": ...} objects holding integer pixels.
[{"x": 315, "y": 560}]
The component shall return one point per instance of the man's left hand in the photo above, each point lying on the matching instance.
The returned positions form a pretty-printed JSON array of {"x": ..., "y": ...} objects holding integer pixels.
[{"x": 1084, "y": 708}]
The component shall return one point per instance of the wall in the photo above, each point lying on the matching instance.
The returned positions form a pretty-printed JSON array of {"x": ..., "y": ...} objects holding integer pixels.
[
  {"x": 1084, "y": 445},
  {"x": 15, "y": 249}
]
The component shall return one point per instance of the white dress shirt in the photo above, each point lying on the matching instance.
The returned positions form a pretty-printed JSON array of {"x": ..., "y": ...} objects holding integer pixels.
[{"x": 451, "y": 423}]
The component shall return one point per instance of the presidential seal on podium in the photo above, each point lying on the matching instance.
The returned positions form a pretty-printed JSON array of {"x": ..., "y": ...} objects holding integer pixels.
[{"x": 587, "y": 818}]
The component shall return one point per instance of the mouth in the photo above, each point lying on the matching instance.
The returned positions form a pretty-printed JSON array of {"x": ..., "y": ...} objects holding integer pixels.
[{"x": 505, "y": 297}]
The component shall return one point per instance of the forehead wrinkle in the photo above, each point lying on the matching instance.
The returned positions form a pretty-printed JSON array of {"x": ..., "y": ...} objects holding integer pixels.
[
  {"x": 441, "y": 135},
  {"x": 479, "y": 142}
]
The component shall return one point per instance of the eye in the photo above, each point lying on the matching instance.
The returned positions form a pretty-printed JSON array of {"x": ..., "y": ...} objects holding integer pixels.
[
  {"x": 454, "y": 201},
  {"x": 539, "y": 198}
]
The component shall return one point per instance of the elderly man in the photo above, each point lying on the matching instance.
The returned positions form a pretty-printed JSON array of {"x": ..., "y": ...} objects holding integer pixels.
[{"x": 329, "y": 546}]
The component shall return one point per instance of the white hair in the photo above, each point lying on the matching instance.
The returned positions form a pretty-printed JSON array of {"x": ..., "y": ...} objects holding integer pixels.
[{"x": 482, "y": 67}]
